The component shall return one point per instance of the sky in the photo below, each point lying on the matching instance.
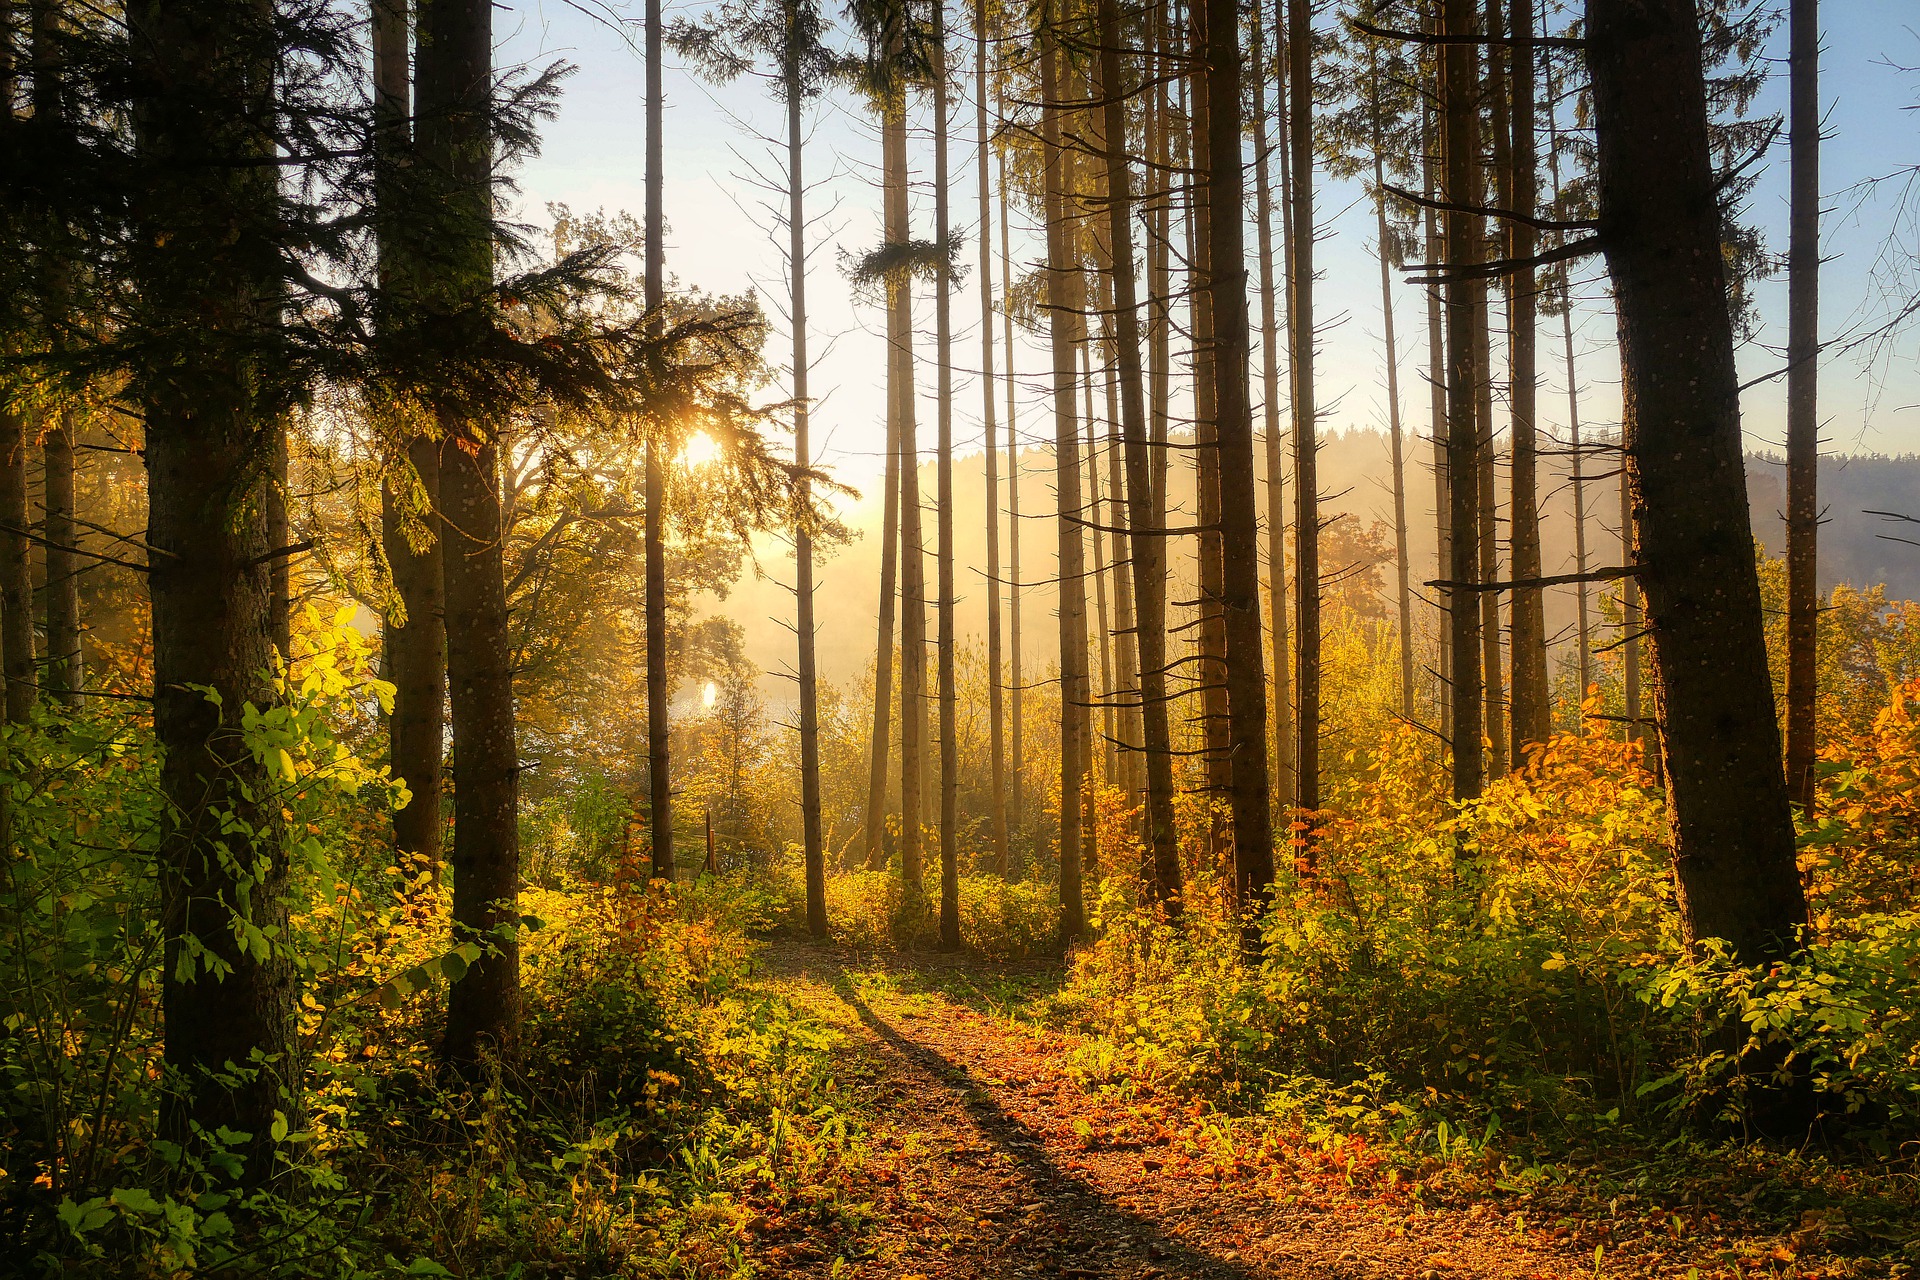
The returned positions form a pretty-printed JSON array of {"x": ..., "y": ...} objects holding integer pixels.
[{"x": 723, "y": 237}]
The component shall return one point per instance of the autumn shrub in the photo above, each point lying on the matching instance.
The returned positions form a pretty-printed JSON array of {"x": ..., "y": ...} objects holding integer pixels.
[{"x": 664, "y": 1097}]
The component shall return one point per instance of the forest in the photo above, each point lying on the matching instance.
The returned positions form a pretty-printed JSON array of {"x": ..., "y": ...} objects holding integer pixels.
[{"x": 1246, "y": 839}]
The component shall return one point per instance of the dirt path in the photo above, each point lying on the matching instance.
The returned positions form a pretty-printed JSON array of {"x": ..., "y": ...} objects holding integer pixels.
[{"x": 990, "y": 1161}]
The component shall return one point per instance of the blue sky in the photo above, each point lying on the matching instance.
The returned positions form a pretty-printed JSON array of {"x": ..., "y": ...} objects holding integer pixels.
[{"x": 722, "y": 239}]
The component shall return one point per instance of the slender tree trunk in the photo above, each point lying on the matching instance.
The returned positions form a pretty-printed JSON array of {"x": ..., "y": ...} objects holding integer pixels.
[
  {"x": 1252, "y": 799},
  {"x": 1283, "y": 732},
  {"x": 1499, "y": 141},
  {"x": 1064, "y": 323},
  {"x": 455, "y": 70},
  {"x": 1532, "y": 697},
  {"x": 1803, "y": 397},
  {"x": 65, "y": 670},
  {"x": 996, "y": 700},
  {"x": 1632, "y": 624},
  {"x": 1402, "y": 569},
  {"x": 1016, "y": 806},
  {"x": 913, "y": 551},
  {"x": 1730, "y": 823},
  {"x": 279, "y": 539},
  {"x": 882, "y": 734},
  {"x": 813, "y": 840},
  {"x": 416, "y": 649},
  {"x": 1159, "y": 285},
  {"x": 1147, "y": 545},
  {"x": 206, "y": 421},
  {"x": 943, "y": 341},
  {"x": 1095, "y": 516},
  {"x": 1585, "y": 616},
  {"x": 1306, "y": 442},
  {"x": 1437, "y": 425},
  {"x": 16, "y": 570},
  {"x": 1465, "y": 303},
  {"x": 659, "y": 687}
]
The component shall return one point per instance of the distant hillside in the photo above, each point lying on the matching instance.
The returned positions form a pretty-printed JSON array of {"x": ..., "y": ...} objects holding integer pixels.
[{"x": 1852, "y": 546}]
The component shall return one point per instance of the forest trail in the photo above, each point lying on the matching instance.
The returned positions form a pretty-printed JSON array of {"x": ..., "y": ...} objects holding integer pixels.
[{"x": 988, "y": 1159}]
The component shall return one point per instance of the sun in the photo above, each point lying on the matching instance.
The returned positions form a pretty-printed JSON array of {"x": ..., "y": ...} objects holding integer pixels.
[
  {"x": 701, "y": 449},
  {"x": 709, "y": 695}
]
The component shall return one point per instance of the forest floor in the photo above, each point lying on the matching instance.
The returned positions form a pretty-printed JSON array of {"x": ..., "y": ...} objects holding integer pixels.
[{"x": 987, "y": 1158}]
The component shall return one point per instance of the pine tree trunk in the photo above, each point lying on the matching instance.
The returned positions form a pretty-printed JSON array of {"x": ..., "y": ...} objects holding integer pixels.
[
  {"x": 1251, "y": 795},
  {"x": 1095, "y": 516},
  {"x": 1146, "y": 542},
  {"x": 1437, "y": 426},
  {"x": 1283, "y": 732},
  {"x": 1402, "y": 569},
  {"x": 1064, "y": 323},
  {"x": 1632, "y": 624},
  {"x": 1579, "y": 482},
  {"x": 1016, "y": 800},
  {"x": 996, "y": 697},
  {"x": 1532, "y": 698},
  {"x": 1803, "y": 398},
  {"x": 16, "y": 571},
  {"x": 913, "y": 552},
  {"x": 221, "y": 1000},
  {"x": 455, "y": 70},
  {"x": 813, "y": 839},
  {"x": 881, "y": 738},
  {"x": 64, "y": 674},
  {"x": 416, "y": 650},
  {"x": 1306, "y": 439},
  {"x": 1730, "y": 823},
  {"x": 943, "y": 342},
  {"x": 1159, "y": 285},
  {"x": 659, "y": 687},
  {"x": 1465, "y": 307}
]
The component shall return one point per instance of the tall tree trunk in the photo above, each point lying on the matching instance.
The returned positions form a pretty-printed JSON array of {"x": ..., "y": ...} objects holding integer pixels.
[
  {"x": 1146, "y": 540},
  {"x": 1803, "y": 396},
  {"x": 16, "y": 570},
  {"x": 659, "y": 688},
  {"x": 913, "y": 552},
  {"x": 1212, "y": 667},
  {"x": 416, "y": 648},
  {"x": 454, "y": 142},
  {"x": 1465, "y": 305},
  {"x": 882, "y": 734},
  {"x": 1402, "y": 569},
  {"x": 813, "y": 840},
  {"x": 222, "y": 1001},
  {"x": 1094, "y": 516},
  {"x": 1064, "y": 324},
  {"x": 64, "y": 675},
  {"x": 1730, "y": 823},
  {"x": 1283, "y": 733},
  {"x": 1579, "y": 484},
  {"x": 1159, "y": 286},
  {"x": 1632, "y": 624},
  {"x": 1306, "y": 439},
  {"x": 1016, "y": 806},
  {"x": 1437, "y": 423},
  {"x": 996, "y": 700},
  {"x": 1532, "y": 698},
  {"x": 1493, "y": 91},
  {"x": 1252, "y": 798},
  {"x": 943, "y": 342}
]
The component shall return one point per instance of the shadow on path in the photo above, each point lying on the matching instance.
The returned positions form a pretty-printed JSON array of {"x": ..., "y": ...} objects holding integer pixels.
[{"x": 1116, "y": 1240}]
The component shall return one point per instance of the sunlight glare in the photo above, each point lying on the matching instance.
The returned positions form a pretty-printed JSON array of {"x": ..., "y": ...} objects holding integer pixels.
[
  {"x": 710, "y": 695},
  {"x": 702, "y": 449}
]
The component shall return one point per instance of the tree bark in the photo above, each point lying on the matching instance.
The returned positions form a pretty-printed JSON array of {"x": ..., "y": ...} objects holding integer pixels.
[
  {"x": 1730, "y": 824},
  {"x": 1803, "y": 397},
  {"x": 1465, "y": 301},
  {"x": 65, "y": 673},
  {"x": 1306, "y": 436},
  {"x": 913, "y": 553},
  {"x": 1252, "y": 797},
  {"x": 1283, "y": 731},
  {"x": 659, "y": 688},
  {"x": 1402, "y": 569},
  {"x": 813, "y": 839},
  {"x": 454, "y": 142},
  {"x": 206, "y": 419},
  {"x": 16, "y": 571},
  {"x": 1147, "y": 546},
  {"x": 943, "y": 344},
  {"x": 416, "y": 650},
  {"x": 989, "y": 432},
  {"x": 1064, "y": 325},
  {"x": 1016, "y": 802}
]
